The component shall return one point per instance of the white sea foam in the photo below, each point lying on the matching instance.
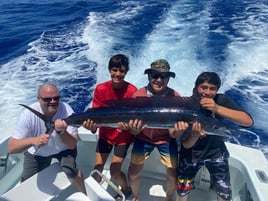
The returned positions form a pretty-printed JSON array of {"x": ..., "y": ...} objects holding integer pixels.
[{"x": 180, "y": 36}]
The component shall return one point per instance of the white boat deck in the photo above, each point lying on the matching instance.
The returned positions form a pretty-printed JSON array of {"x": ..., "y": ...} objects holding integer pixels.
[{"x": 249, "y": 177}]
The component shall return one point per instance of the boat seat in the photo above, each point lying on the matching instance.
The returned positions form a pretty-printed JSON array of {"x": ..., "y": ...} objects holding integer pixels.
[
  {"x": 202, "y": 179},
  {"x": 78, "y": 196},
  {"x": 97, "y": 192},
  {"x": 42, "y": 186}
]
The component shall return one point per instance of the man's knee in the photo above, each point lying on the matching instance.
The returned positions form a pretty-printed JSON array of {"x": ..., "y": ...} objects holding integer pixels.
[
  {"x": 134, "y": 171},
  {"x": 69, "y": 166}
]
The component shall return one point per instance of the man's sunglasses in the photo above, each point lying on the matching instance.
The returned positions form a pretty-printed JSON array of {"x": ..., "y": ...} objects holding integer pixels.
[
  {"x": 47, "y": 100},
  {"x": 157, "y": 75}
]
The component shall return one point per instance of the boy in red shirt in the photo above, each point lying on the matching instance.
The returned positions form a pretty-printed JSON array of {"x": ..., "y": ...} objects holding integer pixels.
[{"x": 113, "y": 89}]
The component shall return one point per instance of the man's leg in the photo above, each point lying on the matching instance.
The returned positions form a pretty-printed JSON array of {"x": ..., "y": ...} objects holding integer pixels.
[
  {"x": 67, "y": 160},
  {"x": 103, "y": 151},
  {"x": 117, "y": 174},
  {"x": 140, "y": 152},
  {"x": 220, "y": 178},
  {"x": 134, "y": 174},
  {"x": 120, "y": 152},
  {"x": 99, "y": 164},
  {"x": 169, "y": 158},
  {"x": 33, "y": 164},
  {"x": 78, "y": 182},
  {"x": 171, "y": 183},
  {"x": 186, "y": 173},
  {"x": 180, "y": 198},
  {"x": 220, "y": 199}
]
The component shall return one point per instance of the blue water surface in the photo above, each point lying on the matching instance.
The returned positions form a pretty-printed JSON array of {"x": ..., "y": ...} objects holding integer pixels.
[{"x": 70, "y": 42}]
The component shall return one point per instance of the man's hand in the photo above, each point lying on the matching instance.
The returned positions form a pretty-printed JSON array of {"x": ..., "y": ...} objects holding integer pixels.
[
  {"x": 122, "y": 126},
  {"x": 136, "y": 126},
  {"x": 178, "y": 130},
  {"x": 90, "y": 125},
  {"x": 60, "y": 126},
  {"x": 197, "y": 130},
  {"x": 209, "y": 104},
  {"x": 41, "y": 140}
]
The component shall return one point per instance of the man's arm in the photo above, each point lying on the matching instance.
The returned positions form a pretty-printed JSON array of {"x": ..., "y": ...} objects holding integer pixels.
[
  {"x": 21, "y": 145},
  {"x": 239, "y": 117},
  {"x": 194, "y": 135}
]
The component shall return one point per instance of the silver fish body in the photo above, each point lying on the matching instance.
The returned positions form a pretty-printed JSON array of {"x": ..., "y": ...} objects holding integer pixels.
[
  {"x": 155, "y": 113},
  {"x": 153, "y": 117}
]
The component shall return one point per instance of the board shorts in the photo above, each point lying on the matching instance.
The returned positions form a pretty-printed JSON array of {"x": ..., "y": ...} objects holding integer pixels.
[
  {"x": 219, "y": 176},
  {"x": 142, "y": 150},
  {"x": 34, "y": 164},
  {"x": 104, "y": 147}
]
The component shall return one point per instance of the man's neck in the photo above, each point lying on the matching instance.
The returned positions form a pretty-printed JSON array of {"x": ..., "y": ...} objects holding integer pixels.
[{"x": 151, "y": 92}]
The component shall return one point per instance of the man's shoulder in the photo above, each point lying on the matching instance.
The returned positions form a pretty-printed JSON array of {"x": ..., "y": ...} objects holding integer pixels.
[
  {"x": 222, "y": 98},
  {"x": 105, "y": 83},
  {"x": 35, "y": 105},
  {"x": 131, "y": 86},
  {"x": 141, "y": 92},
  {"x": 103, "y": 86},
  {"x": 65, "y": 105},
  {"x": 172, "y": 92}
]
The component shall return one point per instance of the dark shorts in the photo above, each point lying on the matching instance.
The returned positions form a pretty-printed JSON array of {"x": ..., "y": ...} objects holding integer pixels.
[
  {"x": 34, "y": 164},
  {"x": 105, "y": 148},
  {"x": 219, "y": 175}
]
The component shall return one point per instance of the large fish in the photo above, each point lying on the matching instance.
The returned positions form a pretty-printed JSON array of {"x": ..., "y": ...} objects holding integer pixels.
[{"x": 155, "y": 112}]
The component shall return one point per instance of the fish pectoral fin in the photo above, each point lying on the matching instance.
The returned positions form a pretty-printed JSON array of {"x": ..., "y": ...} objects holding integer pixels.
[{"x": 220, "y": 131}]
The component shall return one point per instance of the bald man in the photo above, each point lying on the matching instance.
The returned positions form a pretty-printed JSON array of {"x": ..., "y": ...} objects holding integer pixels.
[{"x": 30, "y": 136}]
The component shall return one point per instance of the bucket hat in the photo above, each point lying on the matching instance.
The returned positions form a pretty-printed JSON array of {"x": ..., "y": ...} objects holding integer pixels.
[{"x": 160, "y": 66}]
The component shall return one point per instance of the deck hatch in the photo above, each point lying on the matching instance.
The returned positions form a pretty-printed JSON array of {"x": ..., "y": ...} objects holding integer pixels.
[{"x": 262, "y": 176}]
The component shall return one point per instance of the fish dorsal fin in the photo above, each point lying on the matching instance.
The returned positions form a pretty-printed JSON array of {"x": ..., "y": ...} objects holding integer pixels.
[
  {"x": 49, "y": 124},
  {"x": 155, "y": 101}
]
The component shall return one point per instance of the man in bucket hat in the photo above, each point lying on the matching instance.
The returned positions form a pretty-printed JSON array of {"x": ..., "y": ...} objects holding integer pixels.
[
  {"x": 160, "y": 66},
  {"x": 146, "y": 139}
]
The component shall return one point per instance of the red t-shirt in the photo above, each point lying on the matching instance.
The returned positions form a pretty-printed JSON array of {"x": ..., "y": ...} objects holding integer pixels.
[
  {"x": 104, "y": 91},
  {"x": 153, "y": 135}
]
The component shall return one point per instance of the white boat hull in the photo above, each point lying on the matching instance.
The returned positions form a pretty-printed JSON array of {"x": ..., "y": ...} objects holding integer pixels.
[{"x": 249, "y": 171}]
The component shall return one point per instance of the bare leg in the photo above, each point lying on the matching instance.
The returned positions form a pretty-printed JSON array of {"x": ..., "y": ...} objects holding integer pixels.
[
  {"x": 220, "y": 199},
  {"x": 179, "y": 198},
  {"x": 78, "y": 182},
  {"x": 171, "y": 183},
  {"x": 99, "y": 164},
  {"x": 118, "y": 175},
  {"x": 134, "y": 174}
]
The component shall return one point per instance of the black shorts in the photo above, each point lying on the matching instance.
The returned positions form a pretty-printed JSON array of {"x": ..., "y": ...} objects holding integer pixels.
[
  {"x": 34, "y": 164},
  {"x": 105, "y": 148},
  {"x": 219, "y": 172}
]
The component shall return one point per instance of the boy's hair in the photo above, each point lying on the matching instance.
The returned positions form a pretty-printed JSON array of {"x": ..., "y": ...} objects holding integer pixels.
[
  {"x": 118, "y": 61},
  {"x": 210, "y": 77}
]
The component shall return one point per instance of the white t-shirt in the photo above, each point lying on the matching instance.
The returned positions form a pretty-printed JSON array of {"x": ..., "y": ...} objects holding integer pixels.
[{"x": 30, "y": 125}]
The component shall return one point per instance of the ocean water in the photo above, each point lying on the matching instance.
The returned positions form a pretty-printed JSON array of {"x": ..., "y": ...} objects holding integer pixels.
[{"x": 70, "y": 42}]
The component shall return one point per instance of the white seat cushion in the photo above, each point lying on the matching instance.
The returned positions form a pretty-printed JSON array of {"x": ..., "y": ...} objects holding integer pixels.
[{"x": 42, "y": 186}]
